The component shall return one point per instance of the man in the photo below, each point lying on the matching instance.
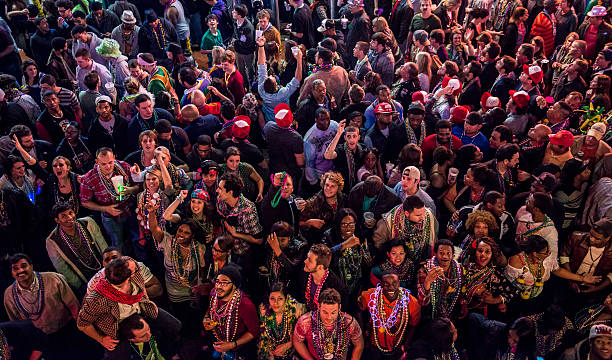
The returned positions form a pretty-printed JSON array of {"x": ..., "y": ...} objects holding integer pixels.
[
  {"x": 99, "y": 193},
  {"x": 144, "y": 120},
  {"x": 544, "y": 26},
  {"x": 88, "y": 97},
  {"x": 208, "y": 179},
  {"x": 500, "y": 136},
  {"x": 383, "y": 95},
  {"x": 597, "y": 346},
  {"x": 359, "y": 29},
  {"x": 145, "y": 342},
  {"x": 591, "y": 145},
  {"x": 301, "y": 30},
  {"x": 203, "y": 150},
  {"x": 557, "y": 151},
  {"x": 557, "y": 116},
  {"x": 196, "y": 86},
  {"x": 471, "y": 93},
  {"x": 103, "y": 20},
  {"x": 335, "y": 77},
  {"x": 234, "y": 79},
  {"x": 88, "y": 41},
  {"x": 378, "y": 135},
  {"x": 126, "y": 34},
  {"x": 505, "y": 81},
  {"x": 382, "y": 59},
  {"x": 505, "y": 167},
  {"x": 286, "y": 146},
  {"x": 54, "y": 119},
  {"x": 533, "y": 148},
  {"x": 108, "y": 128},
  {"x": 244, "y": 42},
  {"x": 65, "y": 20},
  {"x": 119, "y": 7},
  {"x": 310, "y": 338},
  {"x": 524, "y": 56},
  {"x": 317, "y": 277},
  {"x": 532, "y": 220},
  {"x": 269, "y": 32},
  {"x": 66, "y": 97},
  {"x": 596, "y": 31},
  {"x": 517, "y": 112},
  {"x": 371, "y": 195},
  {"x": 442, "y": 137},
  {"x": 425, "y": 20},
  {"x": 413, "y": 223},
  {"x": 316, "y": 142},
  {"x": 80, "y": 18},
  {"x": 62, "y": 64},
  {"x": 159, "y": 78},
  {"x": 271, "y": 93},
  {"x": 198, "y": 125},
  {"x": 529, "y": 79},
  {"x": 362, "y": 67},
  {"x": 46, "y": 300},
  {"x": 603, "y": 63},
  {"x": 172, "y": 137},
  {"x": 240, "y": 312},
  {"x": 75, "y": 246},
  {"x": 389, "y": 294},
  {"x": 571, "y": 79},
  {"x": 489, "y": 60},
  {"x": 249, "y": 153},
  {"x": 220, "y": 10},
  {"x": 347, "y": 157},
  {"x": 41, "y": 44},
  {"x": 86, "y": 64},
  {"x": 150, "y": 37},
  {"x": 117, "y": 296},
  {"x": 212, "y": 37},
  {"x": 117, "y": 64},
  {"x": 13, "y": 114},
  {"x": 240, "y": 219},
  {"x": 42, "y": 151},
  {"x": 470, "y": 133},
  {"x": 152, "y": 285},
  {"x": 410, "y": 131},
  {"x": 174, "y": 12},
  {"x": 409, "y": 186},
  {"x": 317, "y": 98},
  {"x": 566, "y": 21}
]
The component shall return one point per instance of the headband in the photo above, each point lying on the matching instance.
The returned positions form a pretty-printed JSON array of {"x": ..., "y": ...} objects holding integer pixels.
[
  {"x": 141, "y": 61},
  {"x": 200, "y": 194}
]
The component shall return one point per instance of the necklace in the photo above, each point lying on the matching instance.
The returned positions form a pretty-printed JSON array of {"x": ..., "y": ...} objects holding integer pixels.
[
  {"x": 329, "y": 346},
  {"x": 5, "y": 352},
  {"x": 73, "y": 199},
  {"x": 108, "y": 185},
  {"x": 444, "y": 291},
  {"x": 226, "y": 317},
  {"x": 40, "y": 299},
  {"x": 275, "y": 334},
  {"x": 534, "y": 290},
  {"x": 313, "y": 304},
  {"x": 4, "y": 218},
  {"x": 83, "y": 252},
  {"x": 154, "y": 27},
  {"x": 182, "y": 266},
  {"x": 154, "y": 352},
  {"x": 385, "y": 325}
]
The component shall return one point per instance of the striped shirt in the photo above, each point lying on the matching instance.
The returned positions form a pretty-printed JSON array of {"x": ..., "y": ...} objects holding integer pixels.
[{"x": 67, "y": 98}]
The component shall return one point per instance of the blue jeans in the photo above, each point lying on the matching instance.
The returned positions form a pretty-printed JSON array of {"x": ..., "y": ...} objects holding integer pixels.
[{"x": 118, "y": 229}]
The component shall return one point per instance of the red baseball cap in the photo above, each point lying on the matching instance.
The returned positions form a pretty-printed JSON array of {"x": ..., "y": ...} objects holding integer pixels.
[
  {"x": 520, "y": 98},
  {"x": 241, "y": 127},
  {"x": 535, "y": 73},
  {"x": 562, "y": 138},
  {"x": 283, "y": 115},
  {"x": 459, "y": 113},
  {"x": 383, "y": 108}
]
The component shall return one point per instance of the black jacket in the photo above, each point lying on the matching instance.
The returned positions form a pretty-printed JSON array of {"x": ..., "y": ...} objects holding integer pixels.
[
  {"x": 400, "y": 20},
  {"x": 382, "y": 203},
  {"x": 471, "y": 95},
  {"x": 99, "y": 137},
  {"x": 41, "y": 48},
  {"x": 244, "y": 38}
]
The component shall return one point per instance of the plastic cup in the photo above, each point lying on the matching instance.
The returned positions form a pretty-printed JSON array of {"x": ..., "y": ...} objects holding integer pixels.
[
  {"x": 344, "y": 22},
  {"x": 295, "y": 50},
  {"x": 452, "y": 175},
  {"x": 117, "y": 181},
  {"x": 424, "y": 184},
  {"x": 258, "y": 34},
  {"x": 368, "y": 219}
]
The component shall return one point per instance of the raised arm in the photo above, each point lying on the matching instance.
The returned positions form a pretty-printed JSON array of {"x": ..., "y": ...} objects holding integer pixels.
[
  {"x": 156, "y": 231},
  {"x": 169, "y": 214},
  {"x": 330, "y": 152}
]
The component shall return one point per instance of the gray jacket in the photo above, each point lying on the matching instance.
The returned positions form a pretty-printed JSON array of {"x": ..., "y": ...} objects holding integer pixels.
[{"x": 384, "y": 64}]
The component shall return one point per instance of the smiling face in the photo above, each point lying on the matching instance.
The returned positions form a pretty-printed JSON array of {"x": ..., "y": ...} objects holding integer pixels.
[
  {"x": 277, "y": 301},
  {"x": 602, "y": 346},
  {"x": 60, "y": 168},
  {"x": 184, "y": 234},
  {"x": 152, "y": 182},
  {"x": 390, "y": 286},
  {"x": 66, "y": 219},
  {"x": 330, "y": 189},
  {"x": 396, "y": 255},
  {"x": 443, "y": 135},
  {"x": 22, "y": 271},
  {"x": 196, "y": 205},
  {"x": 483, "y": 254},
  {"x": 224, "y": 286},
  {"x": 444, "y": 255},
  {"x": 347, "y": 227},
  {"x": 233, "y": 162}
]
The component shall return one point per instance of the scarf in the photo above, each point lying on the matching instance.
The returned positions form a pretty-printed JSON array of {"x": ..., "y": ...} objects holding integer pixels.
[{"x": 104, "y": 288}]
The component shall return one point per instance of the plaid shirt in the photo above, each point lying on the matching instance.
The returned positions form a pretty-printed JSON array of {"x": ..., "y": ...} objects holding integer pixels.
[
  {"x": 103, "y": 313},
  {"x": 92, "y": 187},
  {"x": 247, "y": 221}
]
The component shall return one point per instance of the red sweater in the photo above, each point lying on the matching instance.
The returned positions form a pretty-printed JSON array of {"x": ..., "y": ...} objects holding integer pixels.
[{"x": 542, "y": 26}]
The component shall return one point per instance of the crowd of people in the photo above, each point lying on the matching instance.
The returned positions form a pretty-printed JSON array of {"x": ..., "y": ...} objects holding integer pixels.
[{"x": 386, "y": 179}]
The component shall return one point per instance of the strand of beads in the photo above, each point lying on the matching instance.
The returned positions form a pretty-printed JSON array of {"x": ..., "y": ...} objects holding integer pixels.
[
  {"x": 40, "y": 299},
  {"x": 309, "y": 283}
]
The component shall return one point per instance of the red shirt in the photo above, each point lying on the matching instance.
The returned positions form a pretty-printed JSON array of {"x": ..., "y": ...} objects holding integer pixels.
[
  {"x": 430, "y": 144},
  {"x": 590, "y": 36}
]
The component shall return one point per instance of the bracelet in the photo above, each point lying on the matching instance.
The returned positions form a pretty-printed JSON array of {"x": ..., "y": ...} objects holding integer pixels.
[{"x": 261, "y": 45}]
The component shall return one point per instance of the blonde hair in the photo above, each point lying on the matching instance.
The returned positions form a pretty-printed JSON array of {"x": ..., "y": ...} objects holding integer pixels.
[
  {"x": 190, "y": 110},
  {"x": 380, "y": 24},
  {"x": 217, "y": 55},
  {"x": 423, "y": 62},
  {"x": 335, "y": 177}
]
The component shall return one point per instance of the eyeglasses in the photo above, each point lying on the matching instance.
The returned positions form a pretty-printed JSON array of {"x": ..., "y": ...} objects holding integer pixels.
[
  {"x": 347, "y": 224},
  {"x": 217, "y": 250},
  {"x": 222, "y": 283}
]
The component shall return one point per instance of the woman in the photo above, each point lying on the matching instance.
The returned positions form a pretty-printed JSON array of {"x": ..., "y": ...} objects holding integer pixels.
[
  {"x": 475, "y": 181},
  {"x": 348, "y": 252},
  {"x": 318, "y": 212},
  {"x": 407, "y": 84},
  {"x": 528, "y": 272},
  {"x": 18, "y": 178},
  {"x": 515, "y": 31},
  {"x": 436, "y": 343},
  {"x": 285, "y": 256},
  {"x": 145, "y": 156},
  {"x": 440, "y": 290},
  {"x": 76, "y": 147},
  {"x": 520, "y": 343},
  {"x": 484, "y": 280},
  {"x": 380, "y": 24},
  {"x": 133, "y": 88},
  {"x": 479, "y": 224},
  {"x": 560, "y": 56},
  {"x": 216, "y": 257},
  {"x": 288, "y": 66},
  {"x": 216, "y": 70},
  {"x": 279, "y": 204},
  {"x": 178, "y": 178},
  {"x": 31, "y": 79},
  {"x": 250, "y": 107},
  {"x": 458, "y": 51},
  {"x": 246, "y": 172},
  {"x": 153, "y": 191},
  {"x": 371, "y": 165},
  {"x": 423, "y": 62},
  {"x": 539, "y": 57},
  {"x": 477, "y": 25},
  {"x": 184, "y": 264},
  {"x": 397, "y": 261},
  {"x": 277, "y": 319},
  {"x": 371, "y": 81},
  {"x": 438, "y": 175},
  {"x": 200, "y": 211},
  {"x": 600, "y": 84},
  {"x": 62, "y": 186}
]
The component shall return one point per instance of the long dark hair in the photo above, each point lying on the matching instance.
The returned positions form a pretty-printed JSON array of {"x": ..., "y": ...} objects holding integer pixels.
[
  {"x": 525, "y": 330},
  {"x": 341, "y": 214}
]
